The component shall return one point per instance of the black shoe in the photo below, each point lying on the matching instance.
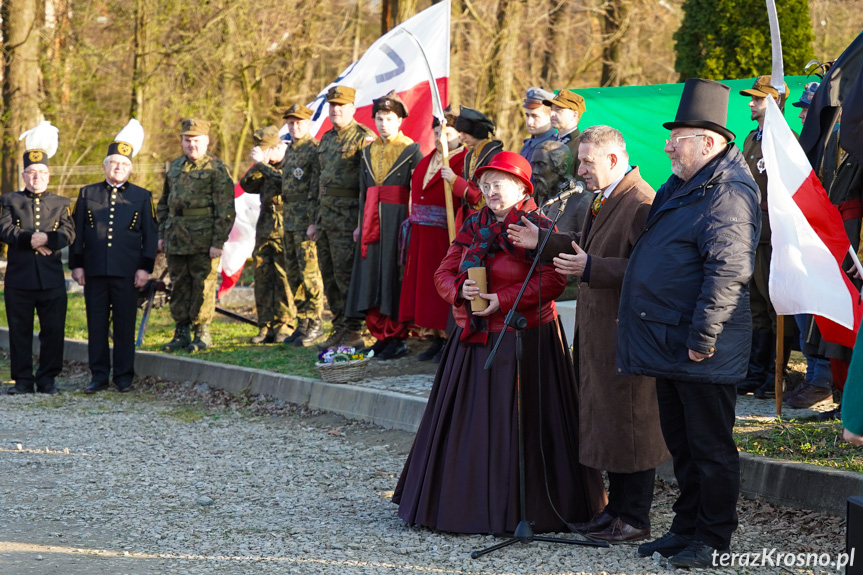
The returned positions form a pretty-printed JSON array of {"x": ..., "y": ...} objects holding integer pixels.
[
  {"x": 431, "y": 352},
  {"x": 830, "y": 415},
  {"x": 668, "y": 545},
  {"x": 96, "y": 387},
  {"x": 395, "y": 349},
  {"x": 766, "y": 391},
  {"x": 299, "y": 333},
  {"x": 378, "y": 348},
  {"x": 20, "y": 389},
  {"x": 313, "y": 332},
  {"x": 699, "y": 555},
  {"x": 124, "y": 387},
  {"x": 747, "y": 386},
  {"x": 47, "y": 389}
]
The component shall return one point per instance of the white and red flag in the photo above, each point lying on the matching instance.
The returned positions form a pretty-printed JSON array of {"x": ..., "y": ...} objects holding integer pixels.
[
  {"x": 809, "y": 239},
  {"x": 393, "y": 62}
]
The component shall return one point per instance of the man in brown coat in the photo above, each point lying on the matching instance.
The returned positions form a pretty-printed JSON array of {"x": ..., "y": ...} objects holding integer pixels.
[{"x": 618, "y": 415}]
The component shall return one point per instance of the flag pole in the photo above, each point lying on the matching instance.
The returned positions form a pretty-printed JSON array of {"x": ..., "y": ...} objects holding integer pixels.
[
  {"x": 437, "y": 111},
  {"x": 777, "y": 79}
]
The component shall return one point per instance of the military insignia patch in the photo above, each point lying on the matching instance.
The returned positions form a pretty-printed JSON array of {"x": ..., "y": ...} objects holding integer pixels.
[
  {"x": 124, "y": 148},
  {"x": 298, "y": 173},
  {"x": 35, "y": 155},
  {"x": 760, "y": 165}
]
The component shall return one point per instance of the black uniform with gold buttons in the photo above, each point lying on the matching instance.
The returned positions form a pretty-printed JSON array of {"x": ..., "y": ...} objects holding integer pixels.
[
  {"x": 116, "y": 236},
  {"x": 35, "y": 283}
]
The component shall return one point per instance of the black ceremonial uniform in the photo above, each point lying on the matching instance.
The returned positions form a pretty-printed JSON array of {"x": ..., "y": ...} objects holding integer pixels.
[
  {"x": 116, "y": 236},
  {"x": 35, "y": 283}
]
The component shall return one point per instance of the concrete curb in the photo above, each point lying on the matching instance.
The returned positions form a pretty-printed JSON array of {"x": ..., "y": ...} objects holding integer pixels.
[{"x": 781, "y": 482}]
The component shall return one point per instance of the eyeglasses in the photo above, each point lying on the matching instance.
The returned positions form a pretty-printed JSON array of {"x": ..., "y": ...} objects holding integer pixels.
[
  {"x": 675, "y": 141},
  {"x": 496, "y": 187},
  {"x": 41, "y": 173}
]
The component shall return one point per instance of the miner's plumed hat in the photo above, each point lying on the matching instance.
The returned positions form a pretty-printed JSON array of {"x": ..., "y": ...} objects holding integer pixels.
[
  {"x": 703, "y": 104},
  {"x": 511, "y": 163},
  {"x": 390, "y": 103},
  {"x": 129, "y": 141},
  {"x": 267, "y": 137},
  {"x": 40, "y": 143},
  {"x": 195, "y": 127},
  {"x": 341, "y": 95},
  {"x": 474, "y": 122},
  {"x": 298, "y": 111}
]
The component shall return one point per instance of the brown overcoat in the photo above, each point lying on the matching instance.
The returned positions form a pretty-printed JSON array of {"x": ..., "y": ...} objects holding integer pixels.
[{"x": 618, "y": 415}]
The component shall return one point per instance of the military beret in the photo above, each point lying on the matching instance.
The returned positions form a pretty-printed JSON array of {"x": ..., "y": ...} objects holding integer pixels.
[
  {"x": 474, "y": 122},
  {"x": 806, "y": 97},
  {"x": 390, "y": 103},
  {"x": 763, "y": 88},
  {"x": 535, "y": 96},
  {"x": 569, "y": 100},
  {"x": 193, "y": 127},
  {"x": 341, "y": 95},
  {"x": 267, "y": 137},
  {"x": 298, "y": 111}
]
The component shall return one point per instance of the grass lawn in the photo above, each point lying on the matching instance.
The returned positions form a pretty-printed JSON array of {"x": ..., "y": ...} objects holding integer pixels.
[{"x": 230, "y": 341}]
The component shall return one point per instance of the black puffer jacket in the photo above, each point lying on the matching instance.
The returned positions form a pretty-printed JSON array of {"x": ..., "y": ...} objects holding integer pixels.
[{"x": 687, "y": 283}]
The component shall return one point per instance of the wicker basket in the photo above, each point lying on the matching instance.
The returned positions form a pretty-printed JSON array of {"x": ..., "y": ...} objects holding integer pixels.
[{"x": 343, "y": 371}]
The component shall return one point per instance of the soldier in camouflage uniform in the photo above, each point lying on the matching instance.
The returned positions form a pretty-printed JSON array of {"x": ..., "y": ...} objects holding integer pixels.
[
  {"x": 195, "y": 213},
  {"x": 300, "y": 193},
  {"x": 337, "y": 213},
  {"x": 273, "y": 299}
]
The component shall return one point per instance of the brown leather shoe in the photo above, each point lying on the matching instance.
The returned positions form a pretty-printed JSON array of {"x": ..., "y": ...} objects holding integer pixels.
[
  {"x": 810, "y": 396},
  {"x": 599, "y": 522},
  {"x": 621, "y": 531}
]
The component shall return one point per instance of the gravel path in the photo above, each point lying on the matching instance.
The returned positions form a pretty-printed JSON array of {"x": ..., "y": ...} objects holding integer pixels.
[{"x": 179, "y": 479}]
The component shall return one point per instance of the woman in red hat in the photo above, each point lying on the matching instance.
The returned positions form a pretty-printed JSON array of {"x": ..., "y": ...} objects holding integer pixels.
[{"x": 462, "y": 471}]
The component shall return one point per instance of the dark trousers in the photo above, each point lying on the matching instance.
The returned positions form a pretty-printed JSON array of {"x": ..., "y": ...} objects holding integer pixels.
[
  {"x": 697, "y": 420},
  {"x": 50, "y": 305},
  {"x": 630, "y": 496},
  {"x": 106, "y": 297}
]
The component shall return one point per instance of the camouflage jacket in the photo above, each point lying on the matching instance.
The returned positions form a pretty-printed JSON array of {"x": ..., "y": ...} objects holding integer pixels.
[
  {"x": 266, "y": 180},
  {"x": 300, "y": 184},
  {"x": 339, "y": 177},
  {"x": 196, "y": 210}
]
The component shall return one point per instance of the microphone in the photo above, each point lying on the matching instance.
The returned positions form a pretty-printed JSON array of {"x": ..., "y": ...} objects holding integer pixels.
[{"x": 568, "y": 188}]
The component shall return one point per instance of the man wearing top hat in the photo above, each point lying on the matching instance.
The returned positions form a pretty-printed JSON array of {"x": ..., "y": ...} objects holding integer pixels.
[
  {"x": 337, "y": 211},
  {"x": 300, "y": 194},
  {"x": 196, "y": 213},
  {"x": 684, "y": 317},
  {"x": 273, "y": 300},
  {"x": 475, "y": 132},
  {"x": 385, "y": 178},
  {"x": 112, "y": 257},
  {"x": 36, "y": 224},
  {"x": 762, "y": 367},
  {"x": 537, "y": 120}
]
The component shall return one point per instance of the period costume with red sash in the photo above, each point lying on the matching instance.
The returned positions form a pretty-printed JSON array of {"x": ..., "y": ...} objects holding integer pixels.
[
  {"x": 384, "y": 196},
  {"x": 427, "y": 242}
]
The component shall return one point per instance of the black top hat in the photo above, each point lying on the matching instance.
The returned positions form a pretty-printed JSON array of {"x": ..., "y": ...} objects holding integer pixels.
[{"x": 703, "y": 104}]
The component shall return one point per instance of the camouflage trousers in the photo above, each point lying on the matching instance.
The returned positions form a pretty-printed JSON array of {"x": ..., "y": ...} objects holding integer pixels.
[
  {"x": 336, "y": 258},
  {"x": 273, "y": 299},
  {"x": 301, "y": 265},
  {"x": 193, "y": 288}
]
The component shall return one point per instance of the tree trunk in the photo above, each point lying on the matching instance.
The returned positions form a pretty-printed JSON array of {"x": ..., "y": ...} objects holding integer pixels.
[
  {"x": 615, "y": 24},
  {"x": 457, "y": 35},
  {"x": 388, "y": 10},
  {"x": 22, "y": 94},
  {"x": 500, "y": 75},
  {"x": 548, "y": 73}
]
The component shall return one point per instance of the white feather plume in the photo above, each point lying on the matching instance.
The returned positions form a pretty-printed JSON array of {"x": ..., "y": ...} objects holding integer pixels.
[
  {"x": 132, "y": 134},
  {"x": 43, "y": 137}
]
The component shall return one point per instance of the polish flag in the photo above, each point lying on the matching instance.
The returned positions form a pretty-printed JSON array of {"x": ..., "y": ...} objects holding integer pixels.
[
  {"x": 809, "y": 240},
  {"x": 393, "y": 62}
]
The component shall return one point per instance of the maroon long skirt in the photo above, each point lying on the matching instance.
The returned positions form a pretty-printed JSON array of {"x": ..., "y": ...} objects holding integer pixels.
[{"x": 462, "y": 472}]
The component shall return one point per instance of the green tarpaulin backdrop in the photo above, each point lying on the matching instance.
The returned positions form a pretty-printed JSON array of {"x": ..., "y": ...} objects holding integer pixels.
[{"x": 639, "y": 112}]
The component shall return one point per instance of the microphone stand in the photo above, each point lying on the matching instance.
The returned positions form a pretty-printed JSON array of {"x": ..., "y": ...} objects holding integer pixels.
[{"x": 524, "y": 530}]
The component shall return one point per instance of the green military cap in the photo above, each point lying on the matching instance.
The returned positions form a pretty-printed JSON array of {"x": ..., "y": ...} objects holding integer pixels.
[
  {"x": 569, "y": 100},
  {"x": 390, "y": 103},
  {"x": 341, "y": 95},
  {"x": 763, "y": 88},
  {"x": 267, "y": 137},
  {"x": 193, "y": 127},
  {"x": 298, "y": 111}
]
